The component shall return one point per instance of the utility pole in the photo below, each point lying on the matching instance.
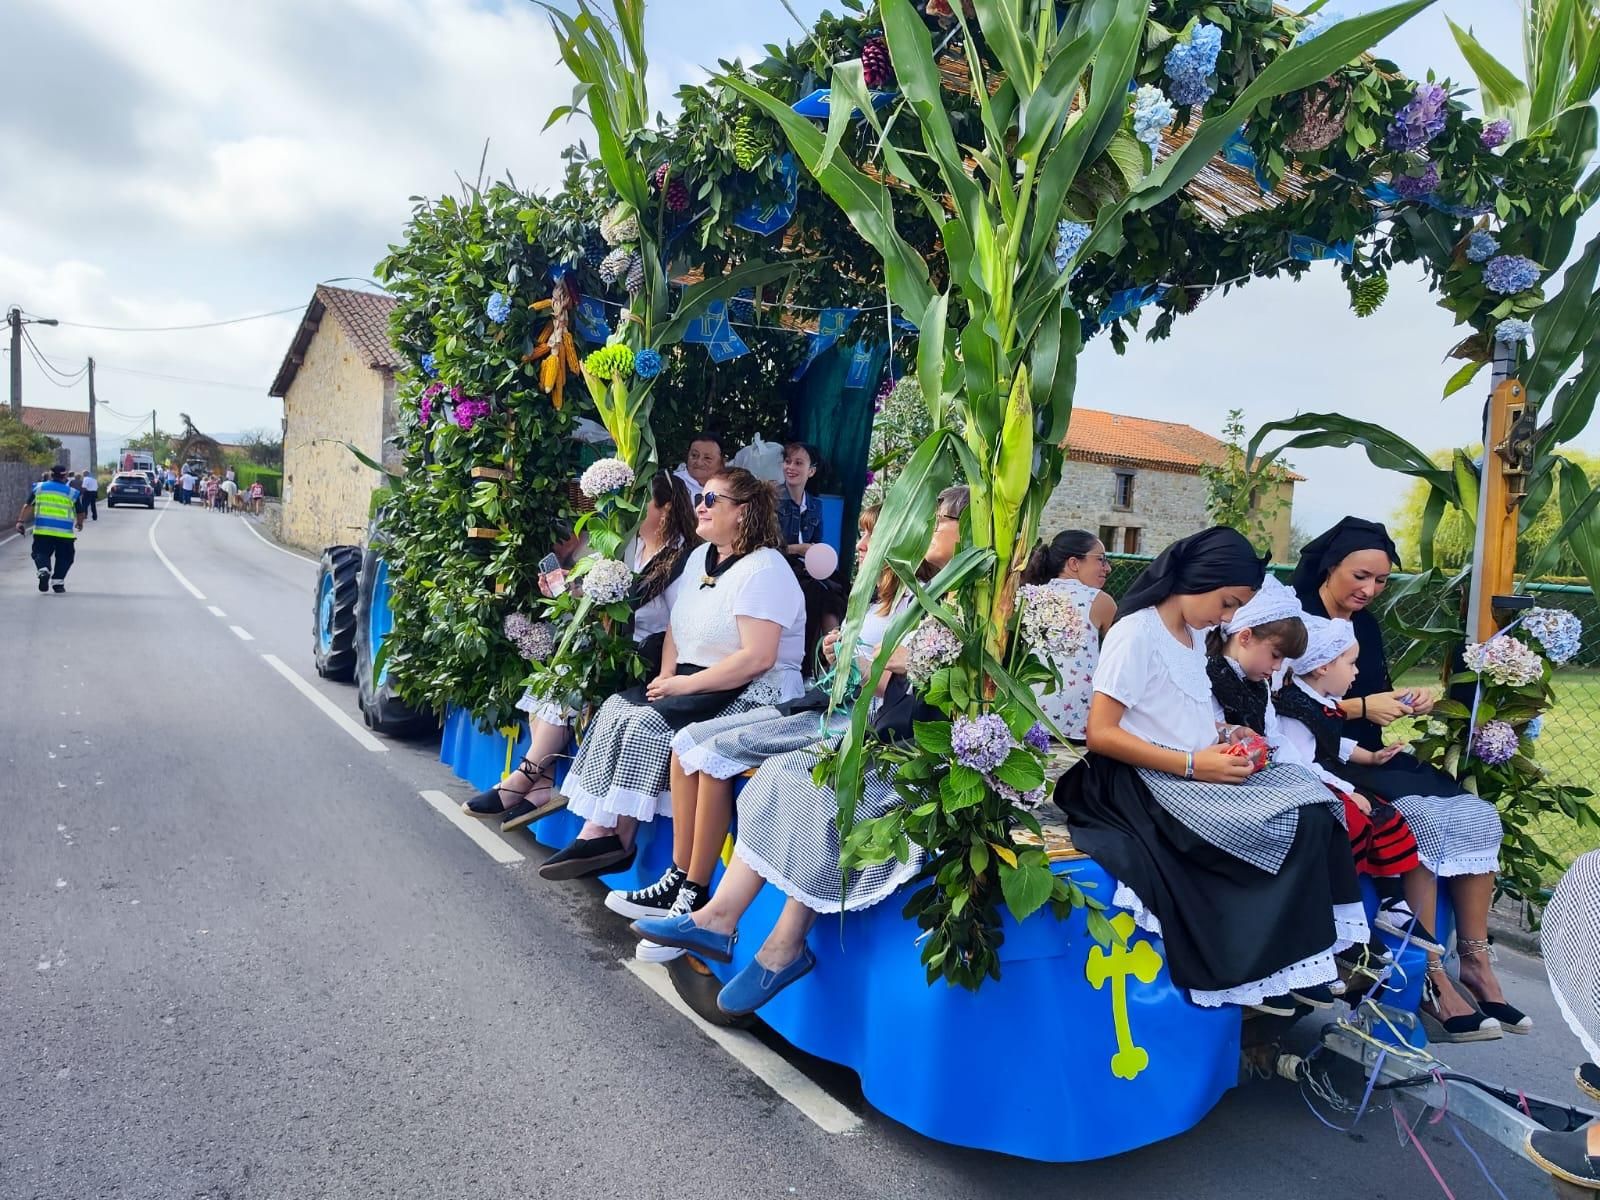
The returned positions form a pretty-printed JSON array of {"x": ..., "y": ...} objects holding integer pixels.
[
  {"x": 94, "y": 455},
  {"x": 14, "y": 319}
]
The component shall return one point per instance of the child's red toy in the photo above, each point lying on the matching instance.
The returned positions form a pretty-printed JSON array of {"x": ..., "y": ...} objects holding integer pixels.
[{"x": 1255, "y": 749}]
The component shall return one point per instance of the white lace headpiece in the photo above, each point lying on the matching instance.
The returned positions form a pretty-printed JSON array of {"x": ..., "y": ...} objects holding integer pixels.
[
  {"x": 1273, "y": 602},
  {"x": 1325, "y": 641}
]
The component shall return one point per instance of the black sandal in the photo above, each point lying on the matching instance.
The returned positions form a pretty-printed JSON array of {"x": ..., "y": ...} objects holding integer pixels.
[
  {"x": 1587, "y": 1077},
  {"x": 489, "y": 805},
  {"x": 1565, "y": 1155},
  {"x": 1512, "y": 1019},
  {"x": 1471, "y": 1027}
]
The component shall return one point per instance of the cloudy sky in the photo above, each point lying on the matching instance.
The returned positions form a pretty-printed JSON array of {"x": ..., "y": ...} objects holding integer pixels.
[{"x": 179, "y": 162}]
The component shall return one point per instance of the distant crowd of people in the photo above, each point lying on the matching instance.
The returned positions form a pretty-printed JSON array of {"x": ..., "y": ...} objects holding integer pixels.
[{"x": 218, "y": 492}]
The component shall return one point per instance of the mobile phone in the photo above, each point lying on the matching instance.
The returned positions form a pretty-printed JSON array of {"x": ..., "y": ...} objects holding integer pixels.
[
  {"x": 1406, "y": 697},
  {"x": 548, "y": 564}
]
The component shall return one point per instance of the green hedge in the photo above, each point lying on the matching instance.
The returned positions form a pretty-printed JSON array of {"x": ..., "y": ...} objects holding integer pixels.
[{"x": 270, "y": 478}]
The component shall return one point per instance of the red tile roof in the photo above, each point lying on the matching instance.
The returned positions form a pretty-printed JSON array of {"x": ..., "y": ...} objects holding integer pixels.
[
  {"x": 364, "y": 317},
  {"x": 1118, "y": 440},
  {"x": 57, "y": 422}
]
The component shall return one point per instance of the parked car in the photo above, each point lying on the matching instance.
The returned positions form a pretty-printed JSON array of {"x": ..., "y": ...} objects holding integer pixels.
[
  {"x": 131, "y": 487},
  {"x": 155, "y": 480}
]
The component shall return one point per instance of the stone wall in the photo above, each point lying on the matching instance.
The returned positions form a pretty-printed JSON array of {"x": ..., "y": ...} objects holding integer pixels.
[
  {"x": 1167, "y": 505},
  {"x": 16, "y": 485},
  {"x": 335, "y": 398}
]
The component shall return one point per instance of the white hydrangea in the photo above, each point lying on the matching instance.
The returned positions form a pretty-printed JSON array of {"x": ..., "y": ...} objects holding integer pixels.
[
  {"x": 1051, "y": 622},
  {"x": 606, "y": 476},
  {"x": 607, "y": 581}
]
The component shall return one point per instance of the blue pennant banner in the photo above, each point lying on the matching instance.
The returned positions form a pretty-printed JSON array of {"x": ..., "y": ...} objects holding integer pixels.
[
  {"x": 903, "y": 325},
  {"x": 817, "y": 105},
  {"x": 767, "y": 219},
  {"x": 712, "y": 330},
  {"x": 1236, "y": 152},
  {"x": 831, "y": 324},
  {"x": 1382, "y": 194},
  {"x": 860, "y": 365},
  {"x": 590, "y": 320},
  {"x": 1130, "y": 300},
  {"x": 1308, "y": 249}
]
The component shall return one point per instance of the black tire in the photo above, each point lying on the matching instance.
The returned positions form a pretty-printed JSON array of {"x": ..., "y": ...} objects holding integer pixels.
[
  {"x": 381, "y": 708},
  {"x": 111, "y": 503},
  {"x": 699, "y": 987},
  {"x": 151, "y": 506},
  {"x": 333, "y": 612}
]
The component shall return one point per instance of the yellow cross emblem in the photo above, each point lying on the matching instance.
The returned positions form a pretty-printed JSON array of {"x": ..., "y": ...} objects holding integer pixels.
[{"x": 1143, "y": 962}]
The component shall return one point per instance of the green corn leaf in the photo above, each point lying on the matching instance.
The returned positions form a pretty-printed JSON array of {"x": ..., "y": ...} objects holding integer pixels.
[
  {"x": 1564, "y": 325},
  {"x": 1463, "y": 376},
  {"x": 1504, "y": 95},
  {"x": 1384, "y": 449}
]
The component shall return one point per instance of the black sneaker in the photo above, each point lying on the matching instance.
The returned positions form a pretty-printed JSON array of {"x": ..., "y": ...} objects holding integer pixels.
[
  {"x": 58, "y": 587},
  {"x": 485, "y": 804},
  {"x": 653, "y": 901},
  {"x": 44, "y": 579},
  {"x": 692, "y": 897}
]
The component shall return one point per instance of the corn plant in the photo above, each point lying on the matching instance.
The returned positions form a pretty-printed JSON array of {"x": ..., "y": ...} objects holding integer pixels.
[{"x": 998, "y": 346}]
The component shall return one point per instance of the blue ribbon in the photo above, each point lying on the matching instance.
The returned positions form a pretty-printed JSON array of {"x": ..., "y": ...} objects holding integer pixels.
[
  {"x": 817, "y": 105},
  {"x": 831, "y": 324},
  {"x": 712, "y": 330},
  {"x": 1308, "y": 249},
  {"x": 1130, "y": 300},
  {"x": 1236, "y": 152}
]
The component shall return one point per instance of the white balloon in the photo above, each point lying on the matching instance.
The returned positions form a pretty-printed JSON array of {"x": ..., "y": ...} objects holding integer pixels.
[{"x": 822, "y": 560}]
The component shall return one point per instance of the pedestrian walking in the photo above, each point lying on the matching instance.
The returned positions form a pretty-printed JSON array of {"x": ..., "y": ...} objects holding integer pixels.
[
  {"x": 53, "y": 512},
  {"x": 230, "y": 490},
  {"x": 186, "y": 486},
  {"x": 91, "y": 493},
  {"x": 256, "y": 494}
]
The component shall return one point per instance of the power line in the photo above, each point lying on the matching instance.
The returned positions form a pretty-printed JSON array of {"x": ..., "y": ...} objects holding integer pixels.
[
  {"x": 181, "y": 328},
  {"x": 243, "y": 387},
  {"x": 51, "y": 373}
]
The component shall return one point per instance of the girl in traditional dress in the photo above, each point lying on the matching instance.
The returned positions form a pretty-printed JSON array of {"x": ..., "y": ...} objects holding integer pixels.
[
  {"x": 1075, "y": 562},
  {"x": 788, "y": 837},
  {"x": 735, "y": 641},
  {"x": 1458, "y": 834},
  {"x": 657, "y": 556},
  {"x": 1246, "y": 875},
  {"x": 1570, "y": 939}
]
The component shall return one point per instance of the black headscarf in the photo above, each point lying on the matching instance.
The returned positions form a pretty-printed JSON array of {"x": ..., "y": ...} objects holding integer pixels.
[
  {"x": 1215, "y": 558},
  {"x": 1321, "y": 554}
]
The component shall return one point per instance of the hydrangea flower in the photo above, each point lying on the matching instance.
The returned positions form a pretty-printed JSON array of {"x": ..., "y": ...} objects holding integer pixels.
[
  {"x": 428, "y": 367},
  {"x": 1507, "y": 661},
  {"x": 1534, "y": 728},
  {"x": 1420, "y": 120},
  {"x": 498, "y": 308},
  {"x": 1318, "y": 25},
  {"x": 468, "y": 411},
  {"x": 1152, "y": 112},
  {"x": 1051, "y": 622},
  {"x": 1495, "y": 134},
  {"x": 931, "y": 647},
  {"x": 1037, "y": 738},
  {"x": 607, "y": 581},
  {"x": 1416, "y": 187},
  {"x": 425, "y": 402},
  {"x": 1481, "y": 246},
  {"x": 535, "y": 640},
  {"x": 1557, "y": 631},
  {"x": 981, "y": 743},
  {"x": 1023, "y": 799},
  {"x": 1509, "y": 274},
  {"x": 1495, "y": 742},
  {"x": 1513, "y": 330},
  {"x": 1189, "y": 64},
  {"x": 605, "y": 476},
  {"x": 1070, "y": 237},
  {"x": 647, "y": 364}
]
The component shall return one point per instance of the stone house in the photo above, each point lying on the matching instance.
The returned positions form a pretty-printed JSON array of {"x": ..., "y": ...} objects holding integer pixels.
[
  {"x": 337, "y": 386},
  {"x": 1136, "y": 483},
  {"x": 69, "y": 426}
]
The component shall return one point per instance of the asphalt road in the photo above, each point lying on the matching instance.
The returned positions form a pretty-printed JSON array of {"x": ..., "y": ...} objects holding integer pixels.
[{"x": 241, "y": 957}]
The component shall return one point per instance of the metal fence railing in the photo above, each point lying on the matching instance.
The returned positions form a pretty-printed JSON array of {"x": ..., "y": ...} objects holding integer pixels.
[{"x": 1569, "y": 744}]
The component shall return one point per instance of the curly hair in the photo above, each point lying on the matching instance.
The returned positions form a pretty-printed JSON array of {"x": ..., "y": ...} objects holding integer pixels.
[{"x": 758, "y": 515}]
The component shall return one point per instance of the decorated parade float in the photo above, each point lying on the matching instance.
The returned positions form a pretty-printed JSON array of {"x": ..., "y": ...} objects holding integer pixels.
[{"x": 936, "y": 205}]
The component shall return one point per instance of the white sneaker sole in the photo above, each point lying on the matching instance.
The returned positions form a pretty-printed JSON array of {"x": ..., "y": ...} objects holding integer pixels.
[
  {"x": 619, "y": 903},
  {"x": 650, "y": 952}
]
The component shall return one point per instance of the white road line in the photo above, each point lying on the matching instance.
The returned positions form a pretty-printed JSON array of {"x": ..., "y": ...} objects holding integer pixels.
[
  {"x": 242, "y": 634},
  {"x": 492, "y": 845},
  {"x": 10, "y": 537},
  {"x": 215, "y": 611},
  {"x": 251, "y": 526},
  {"x": 167, "y": 562},
  {"x": 761, "y": 1061},
  {"x": 329, "y": 709}
]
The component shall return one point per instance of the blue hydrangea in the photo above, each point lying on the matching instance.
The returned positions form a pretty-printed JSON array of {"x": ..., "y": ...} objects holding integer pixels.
[
  {"x": 1037, "y": 738},
  {"x": 647, "y": 364},
  {"x": 428, "y": 367},
  {"x": 1189, "y": 64},
  {"x": 1557, "y": 631},
  {"x": 1481, "y": 246},
  {"x": 1318, "y": 25},
  {"x": 1534, "y": 728},
  {"x": 1509, "y": 274},
  {"x": 1070, "y": 237},
  {"x": 1513, "y": 330},
  {"x": 1152, "y": 112},
  {"x": 498, "y": 308},
  {"x": 1420, "y": 120},
  {"x": 1418, "y": 187},
  {"x": 981, "y": 743}
]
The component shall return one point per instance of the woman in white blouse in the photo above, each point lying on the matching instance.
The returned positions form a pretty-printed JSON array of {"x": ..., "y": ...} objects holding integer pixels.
[
  {"x": 1076, "y": 563},
  {"x": 735, "y": 641}
]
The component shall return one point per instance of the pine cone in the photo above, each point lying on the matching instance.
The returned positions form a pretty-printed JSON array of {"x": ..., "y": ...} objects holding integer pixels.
[
  {"x": 615, "y": 266},
  {"x": 594, "y": 249},
  {"x": 749, "y": 145},
  {"x": 658, "y": 179},
  {"x": 1369, "y": 294},
  {"x": 876, "y": 71},
  {"x": 635, "y": 282}
]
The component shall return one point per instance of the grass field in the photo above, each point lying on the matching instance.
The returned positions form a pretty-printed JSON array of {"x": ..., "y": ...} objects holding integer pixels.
[{"x": 1569, "y": 749}]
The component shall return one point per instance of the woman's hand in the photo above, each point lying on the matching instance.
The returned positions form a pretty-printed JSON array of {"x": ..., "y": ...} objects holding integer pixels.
[
  {"x": 1385, "y": 707},
  {"x": 1423, "y": 700},
  {"x": 830, "y": 644},
  {"x": 552, "y": 583},
  {"x": 1380, "y": 757},
  {"x": 663, "y": 686},
  {"x": 1215, "y": 764}
]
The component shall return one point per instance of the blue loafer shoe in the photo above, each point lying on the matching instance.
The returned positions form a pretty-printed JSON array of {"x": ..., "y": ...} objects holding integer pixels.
[
  {"x": 755, "y": 985},
  {"x": 683, "y": 933}
]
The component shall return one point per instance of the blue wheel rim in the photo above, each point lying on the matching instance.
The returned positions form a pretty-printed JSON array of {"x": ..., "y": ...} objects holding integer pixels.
[
  {"x": 379, "y": 618},
  {"x": 325, "y": 613}
]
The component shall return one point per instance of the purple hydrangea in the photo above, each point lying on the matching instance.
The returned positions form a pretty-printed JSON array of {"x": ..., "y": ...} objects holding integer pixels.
[
  {"x": 981, "y": 743},
  {"x": 1037, "y": 738},
  {"x": 1420, "y": 120},
  {"x": 1495, "y": 742},
  {"x": 469, "y": 410},
  {"x": 1509, "y": 274},
  {"x": 1506, "y": 660},
  {"x": 1514, "y": 331},
  {"x": 1481, "y": 246},
  {"x": 498, "y": 308},
  {"x": 425, "y": 402},
  {"x": 535, "y": 640},
  {"x": 1495, "y": 133},
  {"x": 872, "y": 477},
  {"x": 1416, "y": 187}
]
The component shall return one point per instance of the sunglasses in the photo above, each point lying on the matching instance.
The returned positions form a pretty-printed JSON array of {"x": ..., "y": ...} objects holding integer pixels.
[{"x": 708, "y": 500}]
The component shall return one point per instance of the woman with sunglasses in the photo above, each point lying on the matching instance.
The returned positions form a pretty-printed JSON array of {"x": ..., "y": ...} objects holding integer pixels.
[
  {"x": 1075, "y": 561},
  {"x": 735, "y": 641}
]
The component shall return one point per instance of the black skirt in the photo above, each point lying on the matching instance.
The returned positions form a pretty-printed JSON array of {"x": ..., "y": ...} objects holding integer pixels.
[{"x": 1224, "y": 922}]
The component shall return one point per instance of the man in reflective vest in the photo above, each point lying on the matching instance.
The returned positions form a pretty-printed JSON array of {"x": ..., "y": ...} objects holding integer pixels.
[{"x": 53, "y": 510}]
